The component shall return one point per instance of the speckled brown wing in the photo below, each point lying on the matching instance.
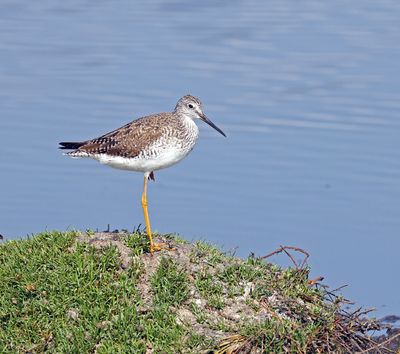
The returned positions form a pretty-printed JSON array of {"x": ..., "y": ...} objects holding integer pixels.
[{"x": 129, "y": 140}]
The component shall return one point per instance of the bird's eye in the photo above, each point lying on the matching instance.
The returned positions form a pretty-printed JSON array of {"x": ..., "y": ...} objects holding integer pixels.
[{"x": 190, "y": 105}]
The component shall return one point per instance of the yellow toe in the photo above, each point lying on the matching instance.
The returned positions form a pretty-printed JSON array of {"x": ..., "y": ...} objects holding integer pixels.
[{"x": 161, "y": 246}]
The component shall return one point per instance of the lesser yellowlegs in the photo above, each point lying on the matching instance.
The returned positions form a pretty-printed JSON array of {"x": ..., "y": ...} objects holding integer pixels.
[{"x": 147, "y": 144}]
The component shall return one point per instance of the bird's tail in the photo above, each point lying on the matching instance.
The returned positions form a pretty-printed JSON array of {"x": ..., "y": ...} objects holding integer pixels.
[{"x": 70, "y": 145}]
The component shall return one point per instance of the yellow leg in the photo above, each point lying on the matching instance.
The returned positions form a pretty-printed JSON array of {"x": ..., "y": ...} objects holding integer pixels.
[
  {"x": 153, "y": 246},
  {"x": 146, "y": 214}
]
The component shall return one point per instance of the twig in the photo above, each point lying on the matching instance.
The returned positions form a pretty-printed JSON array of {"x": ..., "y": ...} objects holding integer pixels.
[
  {"x": 340, "y": 288},
  {"x": 377, "y": 346},
  {"x": 290, "y": 256},
  {"x": 284, "y": 249}
]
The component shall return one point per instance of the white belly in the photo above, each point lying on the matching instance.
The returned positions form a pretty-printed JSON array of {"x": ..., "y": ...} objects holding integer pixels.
[{"x": 164, "y": 159}]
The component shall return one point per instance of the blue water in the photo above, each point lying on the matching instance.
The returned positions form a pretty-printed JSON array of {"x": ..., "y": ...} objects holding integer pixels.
[{"x": 307, "y": 92}]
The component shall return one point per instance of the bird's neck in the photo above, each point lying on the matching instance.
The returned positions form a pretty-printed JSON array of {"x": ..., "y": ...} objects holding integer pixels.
[{"x": 190, "y": 125}]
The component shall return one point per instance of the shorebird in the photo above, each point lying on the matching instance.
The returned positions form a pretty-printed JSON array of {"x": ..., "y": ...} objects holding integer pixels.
[{"x": 147, "y": 144}]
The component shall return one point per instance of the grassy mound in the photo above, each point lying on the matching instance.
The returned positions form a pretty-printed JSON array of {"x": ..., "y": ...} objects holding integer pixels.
[{"x": 104, "y": 293}]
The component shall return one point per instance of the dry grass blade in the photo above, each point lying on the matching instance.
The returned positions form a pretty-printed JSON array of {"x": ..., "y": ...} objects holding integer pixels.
[{"x": 232, "y": 344}]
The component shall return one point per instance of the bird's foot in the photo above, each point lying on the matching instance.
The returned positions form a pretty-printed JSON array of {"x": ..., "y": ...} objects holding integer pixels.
[{"x": 156, "y": 247}]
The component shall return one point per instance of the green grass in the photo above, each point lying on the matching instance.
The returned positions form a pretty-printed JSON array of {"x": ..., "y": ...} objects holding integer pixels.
[
  {"x": 169, "y": 284},
  {"x": 43, "y": 282},
  {"x": 58, "y": 295},
  {"x": 64, "y": 297}
]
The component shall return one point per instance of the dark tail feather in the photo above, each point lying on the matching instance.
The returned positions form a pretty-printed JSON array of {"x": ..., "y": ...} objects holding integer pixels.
[{"x": 71, "y": 145}]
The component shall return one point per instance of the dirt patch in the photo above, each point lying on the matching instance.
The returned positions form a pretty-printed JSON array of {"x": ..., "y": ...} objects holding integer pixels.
[
  {"x": 227, "y": 295},
  {"x": 102, "y": 240}
]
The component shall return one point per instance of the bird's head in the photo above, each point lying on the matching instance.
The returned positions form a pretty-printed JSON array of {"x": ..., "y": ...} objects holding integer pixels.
[{"x": 192, "y": 107}]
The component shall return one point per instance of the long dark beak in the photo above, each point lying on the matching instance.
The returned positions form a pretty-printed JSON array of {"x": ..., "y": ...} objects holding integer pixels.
[{"x": 205, "y": 119}]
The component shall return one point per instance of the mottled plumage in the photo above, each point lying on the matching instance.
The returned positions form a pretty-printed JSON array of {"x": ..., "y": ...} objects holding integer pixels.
[{"x": 147, "y": 144}]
